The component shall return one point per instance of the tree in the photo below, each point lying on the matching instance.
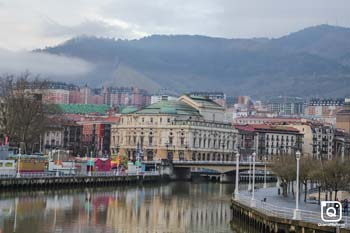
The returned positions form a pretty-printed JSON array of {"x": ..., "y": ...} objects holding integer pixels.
[
  {"x": 307, "y": 166},
  {"x": 25, "y": 116},
  {"x": 284, "y": 167},
  {"x": 337, "y": 175}
]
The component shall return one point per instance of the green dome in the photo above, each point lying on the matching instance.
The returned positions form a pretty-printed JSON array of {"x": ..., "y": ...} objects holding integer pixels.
[
  {"x": 169, "y": 107},
  {"x": 128, "y": 109}
]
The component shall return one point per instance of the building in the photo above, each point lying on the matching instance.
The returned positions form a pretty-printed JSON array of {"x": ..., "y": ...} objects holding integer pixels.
[
  {"x": 53, "y": 137},
  {"x": 266, "y": 120},
  {"x": 158, "y": 98},
  {"x": 57, "y": 92},
  {"x": 62, "y": 133},
  {"x": 343, "y": 118},
  {"x": 96, "y": 135},
  {"x": 125, "y": 96},
  {"x": 286, "y": 106},
  {"x": 190, "y": 128},
  {"x": 318, "y": 139},
  {"x": 324, "y": 109},
  {"x": 63, "y": 93},
  {"x": 341, "y": 145},
  {"x": 268, "y": 140},
  {"x": 217, "y": 97}
]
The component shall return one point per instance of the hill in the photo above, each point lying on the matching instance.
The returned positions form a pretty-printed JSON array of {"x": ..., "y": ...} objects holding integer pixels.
[{"x": 311, "y": 62}]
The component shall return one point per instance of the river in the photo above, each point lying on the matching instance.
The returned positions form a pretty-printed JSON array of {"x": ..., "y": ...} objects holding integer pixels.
[{"x": 167, "y": 207}]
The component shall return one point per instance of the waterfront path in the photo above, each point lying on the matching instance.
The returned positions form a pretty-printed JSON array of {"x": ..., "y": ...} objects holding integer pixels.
[{"x": 283, "y": 207}]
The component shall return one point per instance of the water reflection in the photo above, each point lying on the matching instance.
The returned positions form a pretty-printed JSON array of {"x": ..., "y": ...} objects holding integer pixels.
[{"x": 173, "y": 207}]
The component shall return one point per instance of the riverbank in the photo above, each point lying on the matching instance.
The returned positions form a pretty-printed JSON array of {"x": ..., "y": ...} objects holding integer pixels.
[
  {"x": 274, "y": 213},
  {"x": 75, "y": 181}
]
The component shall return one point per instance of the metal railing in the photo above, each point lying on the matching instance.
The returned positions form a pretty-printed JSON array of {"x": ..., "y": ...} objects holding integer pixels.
[
  {"x": 92, "y": 174},
  {"x": 287, "y": 213},
  {"x": 213, "y": 162}
]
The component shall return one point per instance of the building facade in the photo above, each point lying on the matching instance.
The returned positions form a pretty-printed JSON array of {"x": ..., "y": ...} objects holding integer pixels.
[
  {"x": 318, "y": 139},
  {"x": 343, "y": 118},
  {"x": 217, "y": 97},
  {"x": 96, "y": 135},
  {"x": 324, "y": 109},
  {"x": 286, "y": 106},
  {"x": 268, "y": 141},
  {"x": 190, "y": 128},
  {"x": 62, "y": 133}
]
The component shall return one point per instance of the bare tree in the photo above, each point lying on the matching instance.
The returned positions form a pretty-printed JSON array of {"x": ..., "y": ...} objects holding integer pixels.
[
  {"x": 24, "y": 117},
  {"x": 284, "y": 168}
]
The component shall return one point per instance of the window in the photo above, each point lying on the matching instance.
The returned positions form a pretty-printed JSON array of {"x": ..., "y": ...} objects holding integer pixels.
[
  {"x": 150, "y": 140},
  {"x": 141, "y": 141},
  {"x": 168, "y": 120},
  {"x": 151, "y": 119},
  {"x": 182, "y": 141},
  {"x": 170, "y": 140}
]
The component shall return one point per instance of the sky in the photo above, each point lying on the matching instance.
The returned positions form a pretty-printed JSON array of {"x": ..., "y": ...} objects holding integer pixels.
[{"x": 29, "y": 24}]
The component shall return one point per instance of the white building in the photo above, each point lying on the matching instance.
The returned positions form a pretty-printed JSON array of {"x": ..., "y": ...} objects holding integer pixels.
[{"x": 190, "y": 128}]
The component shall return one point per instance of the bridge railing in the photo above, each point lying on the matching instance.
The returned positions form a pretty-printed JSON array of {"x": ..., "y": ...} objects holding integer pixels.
[{"x": 214, "y": 162}]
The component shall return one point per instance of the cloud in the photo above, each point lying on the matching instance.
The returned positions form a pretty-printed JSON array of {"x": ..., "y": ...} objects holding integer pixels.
[
  {"x": 43, "y": 64},
  {"x": 97, "y": 27},
  {"x": 36, "y": 23}
]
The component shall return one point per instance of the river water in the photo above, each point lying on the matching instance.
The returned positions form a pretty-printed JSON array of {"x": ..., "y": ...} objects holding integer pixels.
[{"x": 170, "y": 207}]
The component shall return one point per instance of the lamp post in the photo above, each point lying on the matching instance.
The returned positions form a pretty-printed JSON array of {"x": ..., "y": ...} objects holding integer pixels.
[
  {"x": 237, "y": 178},
  {"x": 58, "y": 163},
  {"x": 19, "y": 162},
  {"x": 297, "y": 214},
  {"x": 250, "y": 172},
  {"x": 265, "y": 159},
  {"x": 90, "y": 164},
  {"x": 253, "y": 201}
]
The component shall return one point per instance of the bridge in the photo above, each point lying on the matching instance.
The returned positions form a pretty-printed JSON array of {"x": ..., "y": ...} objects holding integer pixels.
[
  {"x": 222, "y": 170},
  {"x": 219, "y": 166}
]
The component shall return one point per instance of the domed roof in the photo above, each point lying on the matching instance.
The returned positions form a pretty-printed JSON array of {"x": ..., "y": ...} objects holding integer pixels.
[{"x": 169, "y": 107}]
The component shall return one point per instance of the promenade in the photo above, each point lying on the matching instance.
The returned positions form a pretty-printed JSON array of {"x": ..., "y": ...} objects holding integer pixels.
[{"x": 270, "y": 203}]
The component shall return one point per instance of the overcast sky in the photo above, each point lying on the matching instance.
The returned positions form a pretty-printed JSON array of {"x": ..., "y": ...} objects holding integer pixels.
[{"x": 28, "y": 24}]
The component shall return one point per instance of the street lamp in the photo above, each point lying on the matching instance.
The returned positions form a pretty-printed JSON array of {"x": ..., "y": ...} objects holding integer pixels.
[
  {"x": 253, "y": 201},
  {"x": 237, "y": 178},
  {"x": 297, "y": 214},
  {"x": 19, "y": 164},
  {"x": 250, "y": 172},
  {"x": 58, "y": 163},
  {"x": 90, "y": 164},
  {"x": 265, "y": 159}
]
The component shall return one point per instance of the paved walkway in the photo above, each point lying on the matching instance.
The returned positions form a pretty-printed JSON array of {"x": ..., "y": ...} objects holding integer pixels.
[
  {"x": 272, "y": 197},
  {"x": 277, "y": 205}
]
